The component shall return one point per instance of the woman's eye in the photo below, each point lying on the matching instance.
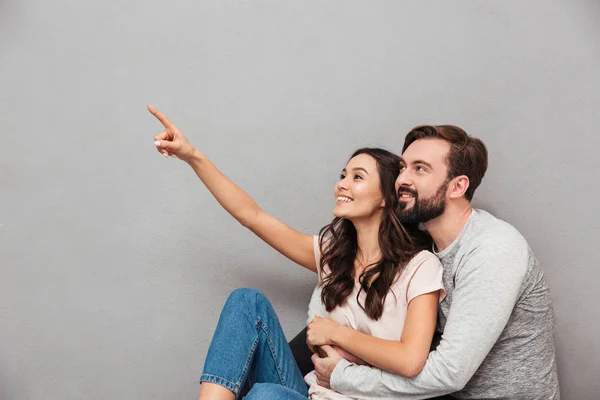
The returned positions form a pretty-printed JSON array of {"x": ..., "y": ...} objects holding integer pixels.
[
  {"x": 357, "y": 177},
  {"x": 342, "y": 176}
]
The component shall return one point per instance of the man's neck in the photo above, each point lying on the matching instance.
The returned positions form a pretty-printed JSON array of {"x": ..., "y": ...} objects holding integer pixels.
[{"x": 448, "y": 226}]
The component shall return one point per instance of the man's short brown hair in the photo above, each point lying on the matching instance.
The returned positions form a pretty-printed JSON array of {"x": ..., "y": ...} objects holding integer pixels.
[{"x": 467, "y": 156}]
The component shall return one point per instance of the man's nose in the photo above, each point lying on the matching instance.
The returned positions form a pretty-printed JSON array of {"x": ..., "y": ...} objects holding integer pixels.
[{"x": 404, "y": 179}]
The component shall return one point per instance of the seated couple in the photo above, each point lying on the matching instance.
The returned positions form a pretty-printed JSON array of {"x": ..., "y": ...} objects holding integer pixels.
[{"x": 384, "y": 284}]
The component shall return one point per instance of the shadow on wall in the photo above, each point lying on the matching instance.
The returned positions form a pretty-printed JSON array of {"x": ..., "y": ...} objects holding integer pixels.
[
  {"x": 285, "y": 291},
  {"x": 486, "y": 206},
  {"x": 6, "y": 390}
]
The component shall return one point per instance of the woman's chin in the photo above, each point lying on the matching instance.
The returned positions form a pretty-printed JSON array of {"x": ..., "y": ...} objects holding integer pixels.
[
  {"x": 343, "y": 215},
  {"x": 338, "y": 213}
]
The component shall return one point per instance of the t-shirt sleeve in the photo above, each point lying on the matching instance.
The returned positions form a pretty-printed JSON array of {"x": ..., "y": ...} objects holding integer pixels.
[{"x": 427, "y": 278}]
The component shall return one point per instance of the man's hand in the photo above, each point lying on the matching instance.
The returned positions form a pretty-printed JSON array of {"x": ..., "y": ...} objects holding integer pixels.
[{"x": 324, "y": 366}]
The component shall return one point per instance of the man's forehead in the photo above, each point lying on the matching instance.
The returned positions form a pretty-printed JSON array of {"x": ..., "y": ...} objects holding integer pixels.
[{"x": 432, "y": 151}]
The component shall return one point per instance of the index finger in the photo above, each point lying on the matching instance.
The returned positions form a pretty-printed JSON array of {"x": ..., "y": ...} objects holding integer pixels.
[
  {"x": 160, "y": 116},
  {"x": 315, "y": 359},
  {"x": 328, "y": 350}
]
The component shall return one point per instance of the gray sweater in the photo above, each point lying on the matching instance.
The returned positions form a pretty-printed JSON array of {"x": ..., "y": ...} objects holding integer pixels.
[{"x": 497, "y": 323}]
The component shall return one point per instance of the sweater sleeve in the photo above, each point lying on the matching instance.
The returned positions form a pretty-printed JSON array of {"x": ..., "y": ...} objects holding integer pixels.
[{"x": 487, "y": 287}]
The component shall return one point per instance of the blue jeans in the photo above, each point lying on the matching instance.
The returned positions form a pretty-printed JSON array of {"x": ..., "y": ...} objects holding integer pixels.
[{"x": 249, "y": 344}]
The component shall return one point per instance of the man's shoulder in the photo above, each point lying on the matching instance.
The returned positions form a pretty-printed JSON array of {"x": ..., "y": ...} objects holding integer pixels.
[
  {"x": 488, "y": 231},
  {"x": 494, "y": 246}
]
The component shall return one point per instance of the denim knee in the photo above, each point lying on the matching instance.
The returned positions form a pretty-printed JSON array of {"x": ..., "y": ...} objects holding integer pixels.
[{"x": 245, "y": 296}]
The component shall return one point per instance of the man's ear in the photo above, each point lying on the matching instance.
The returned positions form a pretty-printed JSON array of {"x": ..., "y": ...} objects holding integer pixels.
[{"x": 458, "y": 186}]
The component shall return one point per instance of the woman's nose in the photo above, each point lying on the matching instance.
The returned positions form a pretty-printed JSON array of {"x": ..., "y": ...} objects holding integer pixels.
[{"x": 342, "y": 184}]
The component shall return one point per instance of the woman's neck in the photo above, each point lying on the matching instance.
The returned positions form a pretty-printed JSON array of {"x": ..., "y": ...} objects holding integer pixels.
[{"x": 367, "y": 237}]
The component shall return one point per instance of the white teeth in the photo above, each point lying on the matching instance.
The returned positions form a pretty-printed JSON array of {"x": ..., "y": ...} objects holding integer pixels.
[{"x": 344, "y": 199}]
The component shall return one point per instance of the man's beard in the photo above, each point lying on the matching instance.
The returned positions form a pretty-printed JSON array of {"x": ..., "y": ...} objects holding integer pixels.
[{"x": 423, "y": 210}]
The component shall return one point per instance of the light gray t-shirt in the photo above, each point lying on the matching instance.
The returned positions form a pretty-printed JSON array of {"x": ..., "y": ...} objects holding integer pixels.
[{"x": 497, "y": 322}]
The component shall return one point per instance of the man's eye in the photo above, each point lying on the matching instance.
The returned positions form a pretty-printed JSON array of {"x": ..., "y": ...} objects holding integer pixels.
[
  {"x": 402, "y": 168},
  {"x": 421, "y": 169}
]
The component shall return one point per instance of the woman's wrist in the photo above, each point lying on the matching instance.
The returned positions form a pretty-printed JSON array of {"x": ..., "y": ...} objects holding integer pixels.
[
  {"x": 195, "y": 156},
  {"x": 339, "y": 335}
]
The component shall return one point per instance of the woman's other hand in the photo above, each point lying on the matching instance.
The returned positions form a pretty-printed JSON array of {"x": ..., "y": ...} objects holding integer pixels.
[{"x": 320, "y": 330}]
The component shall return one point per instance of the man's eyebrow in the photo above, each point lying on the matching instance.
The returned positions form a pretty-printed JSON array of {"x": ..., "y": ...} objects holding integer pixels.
[
  {"x": 425, "y": 163},
  {"x": 420, "y": 162}
]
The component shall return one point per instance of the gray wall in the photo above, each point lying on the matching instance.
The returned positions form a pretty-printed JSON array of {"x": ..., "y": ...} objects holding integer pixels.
[{"x": 114, "y": 262}]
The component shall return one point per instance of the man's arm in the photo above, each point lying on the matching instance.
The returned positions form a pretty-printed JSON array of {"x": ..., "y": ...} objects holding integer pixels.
[
  {"x": 404, "y": 357},
  {"x": 487, "y": 287}
]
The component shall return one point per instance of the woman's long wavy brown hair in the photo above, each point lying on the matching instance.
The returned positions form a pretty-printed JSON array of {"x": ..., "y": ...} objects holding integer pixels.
[{"x": 398, "y": 244}]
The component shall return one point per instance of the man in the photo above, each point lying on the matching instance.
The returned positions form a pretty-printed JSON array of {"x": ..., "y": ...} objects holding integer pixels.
[{"x": 497, "y": 319}]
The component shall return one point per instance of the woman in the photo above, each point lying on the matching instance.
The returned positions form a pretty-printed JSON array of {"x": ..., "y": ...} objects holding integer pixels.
[{"x": 378, "y": 289}]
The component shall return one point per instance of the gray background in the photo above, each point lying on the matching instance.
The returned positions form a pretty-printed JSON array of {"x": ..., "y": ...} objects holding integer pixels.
[{"x": 115, "y": 262}]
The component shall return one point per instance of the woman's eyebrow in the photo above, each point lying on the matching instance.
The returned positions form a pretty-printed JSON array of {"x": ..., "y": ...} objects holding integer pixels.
[{"x": 360, "y": 169}]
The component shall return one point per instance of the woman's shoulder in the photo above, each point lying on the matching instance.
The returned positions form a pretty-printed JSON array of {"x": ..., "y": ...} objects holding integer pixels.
[{"x": 422, "y": 258}]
